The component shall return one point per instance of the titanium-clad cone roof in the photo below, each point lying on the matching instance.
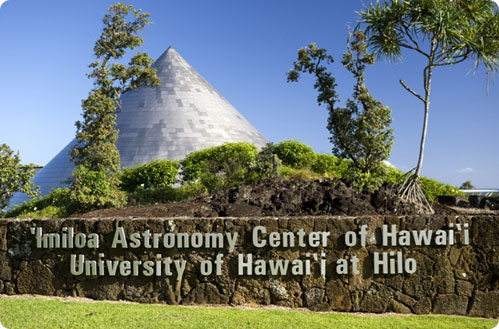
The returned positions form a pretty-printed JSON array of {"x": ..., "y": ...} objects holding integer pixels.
[{"x": 183, "y": 115}]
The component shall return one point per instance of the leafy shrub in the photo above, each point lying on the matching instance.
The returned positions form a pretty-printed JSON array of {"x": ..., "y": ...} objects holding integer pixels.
[
  {"x": 325, "y": 164},
  {"x": 368, "y": 180},
  {"x": 331, "y": 166},
  {"x": 166, "y": 194},
  {"x": 295, "y": 154},
  {"x": 151, "y": 175},
  {"x": 435, "y": 188},
  {"x": 95, "y": 190},
  {"x": 56, "y": 204},
  {"x": 225, "y": 165},
  {"x": 393, "y": 175},
  {"x": 48, "y": 212},
  {"x": 215, "y": 182},
  {"x": 267, "y": 162},
  {"x": 301, "y": 174},
  {"x": 344, "y": 168}
]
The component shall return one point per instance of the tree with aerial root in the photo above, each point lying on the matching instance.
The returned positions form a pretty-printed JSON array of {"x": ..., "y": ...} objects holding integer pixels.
[{"x": 445, "y": 33}]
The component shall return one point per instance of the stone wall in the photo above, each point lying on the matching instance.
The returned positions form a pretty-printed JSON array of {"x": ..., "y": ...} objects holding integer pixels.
[{"x": 458, "y": 278}]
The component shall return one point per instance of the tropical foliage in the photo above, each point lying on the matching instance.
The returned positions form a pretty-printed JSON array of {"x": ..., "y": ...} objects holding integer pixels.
[
  {"x": 295, "y": 154},
  {"x": 150, "y": 175},
  {"x": 360, "y": 131},
  {"x": 221, "y": 166},
  {"x": 250, "y": 167},
  {"x": 95, "y": 155},
  {"x": 14, "y": 177}
]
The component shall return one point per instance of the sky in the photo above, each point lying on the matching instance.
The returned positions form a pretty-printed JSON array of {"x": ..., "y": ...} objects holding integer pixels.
[{"x": 244, "y": 49}]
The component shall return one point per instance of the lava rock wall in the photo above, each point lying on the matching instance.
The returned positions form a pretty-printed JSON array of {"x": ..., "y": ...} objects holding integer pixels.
[{"x": 461, "y": 279}]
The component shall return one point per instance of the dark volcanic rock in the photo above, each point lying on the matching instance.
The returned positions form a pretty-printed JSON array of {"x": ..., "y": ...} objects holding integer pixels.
[
  {"x": 491, "y": 203},
  {"x": 398, "y": 307},
  {"x": 475, "y": 200},
  {"x": 375, "y": 300},
  {"x": 299, "y": 197},
  {"x": 206, "y": 293},
  {"x": 422, "y": 306},
  {"x": 5, "y": 269},
  {"x": 36, "y": 278},
  {"x": 450, "y": 200},
  {"x": 458, "y": 279},
  {"x": 450, "y": 304},
  {"x": 485, "y": 304},
  {"x": 281, "y": 197},
  {"x": 103, "y": 288},
  {"x": 3, "y": 237},
  {"x": 464, "y": 288}
]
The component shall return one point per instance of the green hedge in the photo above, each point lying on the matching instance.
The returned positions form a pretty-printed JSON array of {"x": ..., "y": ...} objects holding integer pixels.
[
  {"x": 220, "y": 166},
  {"x": 434, "y": 188},
  {"x": 151, "y": 175},
  {"x": 166, "y": 194},
  {"x": 331, "y": 166},
  {"x": 55, "y": 204},
  {"x": 295, "y": 154}
]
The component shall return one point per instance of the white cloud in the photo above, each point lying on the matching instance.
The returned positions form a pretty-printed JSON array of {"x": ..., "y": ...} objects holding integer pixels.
[{"x": 466, "y": 170}]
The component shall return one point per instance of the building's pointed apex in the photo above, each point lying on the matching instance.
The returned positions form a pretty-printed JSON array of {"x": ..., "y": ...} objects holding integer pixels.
[
  {"x": 165, "y": 54},
  {"x": 170, "y": 56},
  {"x": 170, "y": 49}
]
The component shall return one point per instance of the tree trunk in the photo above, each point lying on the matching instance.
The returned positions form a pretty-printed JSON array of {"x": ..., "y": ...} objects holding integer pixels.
[
  {"x": 427, "y": 86},
  {"x": 425, "y": 123}
]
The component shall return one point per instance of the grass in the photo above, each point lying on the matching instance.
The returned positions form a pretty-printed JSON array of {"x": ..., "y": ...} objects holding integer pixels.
[{"x": 21, "y": 312}]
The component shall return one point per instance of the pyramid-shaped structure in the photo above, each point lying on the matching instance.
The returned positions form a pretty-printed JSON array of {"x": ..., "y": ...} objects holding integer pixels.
[{"x": 183, "y": 115}]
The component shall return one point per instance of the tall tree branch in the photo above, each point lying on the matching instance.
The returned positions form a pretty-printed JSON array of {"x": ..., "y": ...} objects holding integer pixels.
[
  {"x": 405, "y": 45},
  {"x": 457, "y": 60},
  {"x": 416, "y": 46},
  {"x": 411, "y": 91}
]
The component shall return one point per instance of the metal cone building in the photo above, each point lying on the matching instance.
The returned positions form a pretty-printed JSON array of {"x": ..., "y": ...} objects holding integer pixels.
[{"x": 183, "y": 115}]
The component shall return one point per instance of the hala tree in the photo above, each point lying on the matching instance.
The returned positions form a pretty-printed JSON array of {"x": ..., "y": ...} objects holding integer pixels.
[
  {"x": 360, "y": 131},
  {"x": 444, "y": 33},
  {"x": 97, "y": 160},
  {"x": 14, "y": 177}
]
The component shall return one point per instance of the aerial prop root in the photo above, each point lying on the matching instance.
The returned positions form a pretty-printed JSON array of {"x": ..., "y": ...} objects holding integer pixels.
[{"x": 412, "y": 192}]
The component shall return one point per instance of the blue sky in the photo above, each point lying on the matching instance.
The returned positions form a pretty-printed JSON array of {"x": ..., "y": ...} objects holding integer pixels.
[{"x": 244, "y": 49}]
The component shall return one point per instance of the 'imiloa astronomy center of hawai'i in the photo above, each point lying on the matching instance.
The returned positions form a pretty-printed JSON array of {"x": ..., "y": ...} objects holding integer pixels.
[{"x": 300, "y": 237}]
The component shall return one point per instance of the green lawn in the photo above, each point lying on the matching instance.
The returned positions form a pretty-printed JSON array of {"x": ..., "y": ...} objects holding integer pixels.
[{"x": 49, "y": 313}]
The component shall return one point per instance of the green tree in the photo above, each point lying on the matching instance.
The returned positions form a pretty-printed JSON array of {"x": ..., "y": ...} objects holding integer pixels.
[
  {"x": 96, "y": 156},
  {"x": 295, "y": 154},
  {"x": 468, "y": 185},
  {"x": 445, "y": 33},
  {"x": 360, "y": 131},
  {"x": 14, "y": 177}
]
